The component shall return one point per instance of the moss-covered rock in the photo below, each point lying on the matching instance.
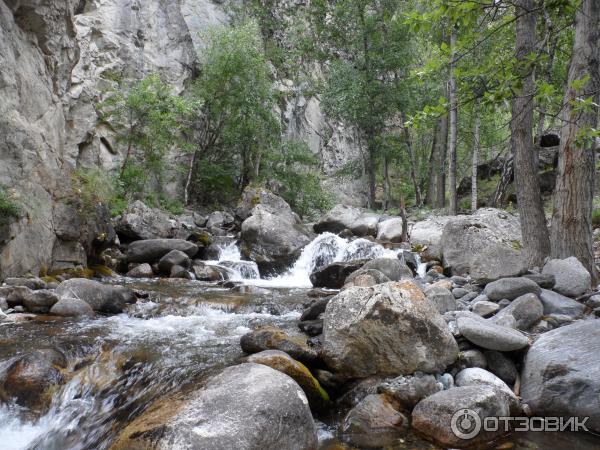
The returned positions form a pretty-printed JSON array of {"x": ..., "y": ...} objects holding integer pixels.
[{"x": 281, "y": 361}]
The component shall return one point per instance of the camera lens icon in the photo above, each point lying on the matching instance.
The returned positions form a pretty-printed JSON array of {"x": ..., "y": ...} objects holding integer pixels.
[{"x": 465, "y": 424}]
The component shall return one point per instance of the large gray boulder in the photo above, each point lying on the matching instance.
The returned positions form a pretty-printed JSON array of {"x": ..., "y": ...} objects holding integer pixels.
[
  {"x": 338, "y": 219},
  {"x": 434, "y": 415},
  {"x": 476, "y": 376},
  {"x": 510, "y": 288},
  {"x": 273, "y": 241},
  {"x": 555, "y": 303},
  {"x": 390, "y": 230},
  {"x": 485, "y": 245},
  {"x": 335, "y": 274},
  {"x": 139, "y": 221},
  {"x": 428, "y": 233},
  {"x": 253, "y": 196},
  {"x": 388, "y": 329},
  {"x": 572, "y": 279},
  {"x": 101, "y": 297},
  {"x": 365, "y": 225},
  {"x": 561, "y": 373},
  {"x": 151, "y": 250},
  {"x": 491, "y": 336},
  {"x": 246, "y": 407},
  {"x": 393, "y": 268}
]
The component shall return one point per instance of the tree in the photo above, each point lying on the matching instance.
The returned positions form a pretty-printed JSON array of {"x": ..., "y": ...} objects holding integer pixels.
[
  {"x": 536, "y": 243},
  {"x": 475, "y": 157},
  {"x": 235, "y": 98},
  {"x": 453, "y": 128},
  {"x": 572, "y": 214}
]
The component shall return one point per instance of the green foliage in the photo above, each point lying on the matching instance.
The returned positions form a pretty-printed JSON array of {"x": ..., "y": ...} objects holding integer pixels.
[
  {"x": 93, "y": 186},
  {"x": 9, "y": 208}
]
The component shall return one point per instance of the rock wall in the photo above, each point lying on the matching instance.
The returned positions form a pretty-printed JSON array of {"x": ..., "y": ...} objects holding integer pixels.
[{"x": 57, "y": 57}]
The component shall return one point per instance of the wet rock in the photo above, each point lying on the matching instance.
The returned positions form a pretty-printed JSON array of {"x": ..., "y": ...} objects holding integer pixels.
[
  {"x": 205, "y": 272},
  {"x": 174, "y": 258},
  {"x": 387, "y": 329},
  {"x": 333, "y": 275},
  {"x": 281, "y": 361},
  {"x": 490, "y": 336},
  {"x": 555, "y": 303},
  {"x": 338, "y": 219},
  {"x": 311, "y": 327},
  {"x": 374, "y": 421},
  {"x": 501, "y": 366},
  {"x": 220, "y": 219},
  {"x": 546, "y": 281},
  {"x": 141, "y": 271},
  {"x": 441, "y": 297},
  {"x": 248, "y": 406},
  {"x": 409, "y": 390},
  {"x": 71, "y": 307},
  {"x": 273, "y": 338},
  {"x": 393, "y": 268},
  {"x": 273, "y": 241},
  {"x": 28, "y": 377},
  {"x": 527, "y": 310},
  {"x": 433, "y": 415},
  {"x": 315, "y": 309},
  {"x": 511, "y": 288},
  {"x": 40, "y": 301},
  {"x": 561, "y": 373},
  {"x": 485, "y": 245},
  {"x": 471, "y": 358},
  {"x": 180, "y": 272},
  {"x": 485, "y": 309},
  {"x": 101, "y": 297},
  {"x": 152, "y": 250},
  {"x": 31, "y": 283},
  {"x": 390, "y": 230},
  {"x": 572, "y": 279},
  {"x": 355, "y": 391},
  {"x": 365, "y": 278}
]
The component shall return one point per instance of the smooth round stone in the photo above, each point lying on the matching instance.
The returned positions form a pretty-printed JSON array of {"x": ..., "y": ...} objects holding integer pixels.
[{"x": 490, "y": 336}]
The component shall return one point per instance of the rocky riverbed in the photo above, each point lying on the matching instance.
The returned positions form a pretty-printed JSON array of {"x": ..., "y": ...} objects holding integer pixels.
[{"x": 250, "y": 329}]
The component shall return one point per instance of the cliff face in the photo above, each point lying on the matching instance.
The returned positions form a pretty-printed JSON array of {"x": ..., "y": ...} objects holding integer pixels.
[{"x": 56, "y": 59}]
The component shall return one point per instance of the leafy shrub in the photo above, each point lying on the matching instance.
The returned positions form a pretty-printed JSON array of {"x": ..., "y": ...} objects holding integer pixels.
[{"x": 9, "y": 209}]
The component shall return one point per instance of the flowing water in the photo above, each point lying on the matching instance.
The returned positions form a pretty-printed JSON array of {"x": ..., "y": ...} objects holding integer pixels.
[{"x": 170, "y": 341}]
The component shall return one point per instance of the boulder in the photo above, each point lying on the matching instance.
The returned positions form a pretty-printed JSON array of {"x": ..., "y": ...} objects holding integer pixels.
[
  {"x": 439, "y": 416},
  {"x": 510, "y": 288},
  {"x": 206, "y": 272},
  {"x": 180, "y": 272},
  {"x": 253, "y": 196},
  {"x": 488, "y": 335},
  {"x": 561, "y": 373},
  {"x": 40, "y": 301},
  {"x": 141, "y": 271},
  {"x": 219, "y": 219},
  {"x": 281, "y": 361},
  {"x": 273, "y": 241},
  {"x": 427, "y": 235},
  {"x": 393, "y": 268},
  {"x": 485, "y": 309},
  {"x": 387, "y": 329},
  {"x": 31, "y": 283},
  {"x": 338, "y": 219},
  {"x": 28, "y": 377},
  {"x": 546, "y": 281},
  {"x": 555, "y": 303},
  {"x": 527, "y": 310},
  {"x": 311, "y": 327},
  {"x": 441, "y": 297},
  {"x": 246, "y": 407},
  {"x": 273, "y": 338},
  {"x": 139, "y": 221},
  {"x": 471, "y": 358},
  {"x": 315, "y": 309},
  {"x": 365, "y": 278},
  {"x": 334, "y": 275},
  {"x": 151, "y": 250},
  {"x": 476, "y": 376},
  {"x": 71, "y": 307},
  {"x": 390, "y": 230},
  {"x": 373, "y": 420},
  {"x": 365, "y": 225},
  {"x": 409, "y": 390},
  {"x": 572, "y": 278},
  {"x": 174, "y": 258},
  {"x": 101, "y": 297},
  {"x": 485, "y": 245}
]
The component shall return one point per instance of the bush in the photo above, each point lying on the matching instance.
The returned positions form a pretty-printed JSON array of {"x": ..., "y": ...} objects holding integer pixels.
[
  {"x": 596, "y": 217},
  {"x": 9, "y": 209},
  {"x": 93, "y": 186}
]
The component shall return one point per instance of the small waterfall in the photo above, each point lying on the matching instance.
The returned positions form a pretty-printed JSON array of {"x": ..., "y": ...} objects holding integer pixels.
[
  {"x": 323, "y": 250},
  {"x": 230, "y": 257}
]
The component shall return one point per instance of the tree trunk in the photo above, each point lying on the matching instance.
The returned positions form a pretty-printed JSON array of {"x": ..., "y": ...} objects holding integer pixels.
[
  {"x": 534, "y": 232},
  {"x": 475, "y": 161},
  {"x": 413, "y": 163},
  {"x": 572, "y": 214},
  {"x": 386, "y": 184},
  {"x": 453, "y": 132},
  {"x": 441, "y": 162},
  {"x": 188, "y": 180},
  {"x": 432, "y": 172}
]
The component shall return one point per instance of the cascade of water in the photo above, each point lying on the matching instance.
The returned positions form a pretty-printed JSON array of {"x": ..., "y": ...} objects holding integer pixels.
[{"x": 231, "y": 258}]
